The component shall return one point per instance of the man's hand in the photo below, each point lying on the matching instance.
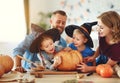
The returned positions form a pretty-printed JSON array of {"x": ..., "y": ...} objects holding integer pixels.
[
  {"x": 18, "y": 66},
  {"x": 20, "y": 69}
]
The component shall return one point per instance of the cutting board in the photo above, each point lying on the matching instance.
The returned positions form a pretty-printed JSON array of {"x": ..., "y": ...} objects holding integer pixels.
[
  {"x": 49, "y": 72},
  {"x": 10, "y": 77},
  {"x": 16, "y": 77}
]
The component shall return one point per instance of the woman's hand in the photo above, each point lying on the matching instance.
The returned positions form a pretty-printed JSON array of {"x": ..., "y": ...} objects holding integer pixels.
[{"x": 83, "y": 67}]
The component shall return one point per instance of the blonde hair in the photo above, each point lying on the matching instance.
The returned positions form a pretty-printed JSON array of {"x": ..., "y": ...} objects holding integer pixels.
[
  {"x": 77, "y": 31},
  {"x": 112, "y": 20}
]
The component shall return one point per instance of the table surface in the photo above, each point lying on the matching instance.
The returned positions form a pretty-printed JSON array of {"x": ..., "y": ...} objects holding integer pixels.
[
  {"x": 86, "y": 79},
  {"x": 94, "y": 78}
]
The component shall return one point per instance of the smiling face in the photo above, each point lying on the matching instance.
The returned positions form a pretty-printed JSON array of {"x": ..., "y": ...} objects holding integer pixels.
[
  {"x": 58, "y": 21},
  {"x": 48, "y": 45},
  {"x": 103, "y": 30},
  {"x": 79, "y": 39}
]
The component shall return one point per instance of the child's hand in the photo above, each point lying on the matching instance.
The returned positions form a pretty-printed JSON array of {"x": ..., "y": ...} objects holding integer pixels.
[
  {"x": 67, "y": 49},
  {"x": 89, "y": 59},
  {"x": 57, "y": 61}
]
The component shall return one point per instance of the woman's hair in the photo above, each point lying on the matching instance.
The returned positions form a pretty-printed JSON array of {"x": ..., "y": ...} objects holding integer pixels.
[{"x": 112, "y": 20}]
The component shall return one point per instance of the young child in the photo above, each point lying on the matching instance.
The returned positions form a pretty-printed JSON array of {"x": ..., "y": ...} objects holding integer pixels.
[
  {"x": 109, "y": 40},
  {"x": 58, "y": 21},
  {"x": 44, "y": 46},
  {"x": 81, "y": 39}
]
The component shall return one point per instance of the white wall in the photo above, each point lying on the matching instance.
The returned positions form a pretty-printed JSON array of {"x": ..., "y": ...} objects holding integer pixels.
[
  {"x": 12, "y": 21},
  {"x": 12, "y": 25},
  {"x": 7, "y": 48},
  {"x": 78, "y": 11},
  {"x": 35, "y": 7}
]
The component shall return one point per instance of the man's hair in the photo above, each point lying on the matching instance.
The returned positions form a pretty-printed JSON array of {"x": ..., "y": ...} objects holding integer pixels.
[{"x": 61, "y": 12}]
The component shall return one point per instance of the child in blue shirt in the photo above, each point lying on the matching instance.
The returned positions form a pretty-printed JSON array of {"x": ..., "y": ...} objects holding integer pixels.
[
  {"x": 81, "y": 39},
  {"x": 46, "y": 49}
]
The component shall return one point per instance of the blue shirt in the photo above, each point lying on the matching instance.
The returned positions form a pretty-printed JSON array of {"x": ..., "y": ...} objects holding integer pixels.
[
  {"x": 61, "y": 43},
  {"x": 23, "y": 50},
  {"x": 85, "y": 53}
]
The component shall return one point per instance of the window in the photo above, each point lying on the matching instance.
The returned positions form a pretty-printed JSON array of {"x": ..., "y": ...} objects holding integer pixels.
[{"x": 12, "y": 21}]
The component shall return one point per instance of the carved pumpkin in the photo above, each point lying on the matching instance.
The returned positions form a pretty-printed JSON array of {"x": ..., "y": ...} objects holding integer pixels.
[
  {"x": 1, "y": 71},
  {"x": 7, "y": 62},
  {"x": 104, "y": 70},
  {"x": 69, "y": 60}
]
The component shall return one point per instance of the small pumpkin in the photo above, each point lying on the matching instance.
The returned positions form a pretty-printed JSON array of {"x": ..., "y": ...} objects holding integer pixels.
[
  {"x": 69, "y": 60},
  {"x": 2, "y": 71},
  {"x": 104, "y": 70},
  {"x": 7, "y": 62}
]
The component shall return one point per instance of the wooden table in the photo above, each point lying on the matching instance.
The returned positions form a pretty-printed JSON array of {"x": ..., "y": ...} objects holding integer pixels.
[
  {"x": 86, "y": 79},
  {"x": 95, "y": 78}
]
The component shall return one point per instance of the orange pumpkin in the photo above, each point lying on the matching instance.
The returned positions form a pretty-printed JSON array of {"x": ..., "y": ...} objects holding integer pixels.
[
  {"x": 104, "y": 70},
  {"x": 7, "y": 62},
  {"x": 98, "y": 68},
  {"x": 1, "y": 71},
  {"x": 70, "y": 60}
]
